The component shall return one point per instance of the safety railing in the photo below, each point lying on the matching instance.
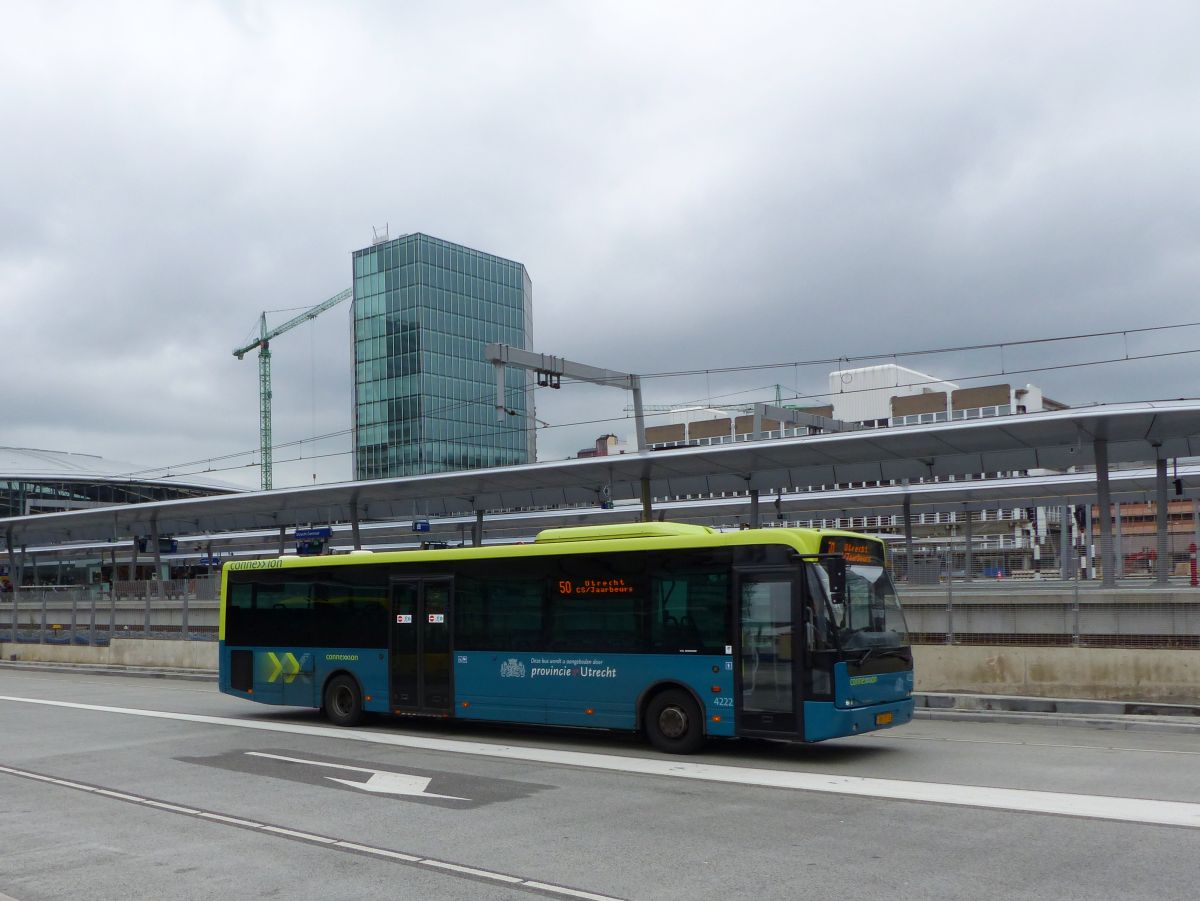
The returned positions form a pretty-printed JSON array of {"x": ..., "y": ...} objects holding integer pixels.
[{"x": 186, "y": 609}]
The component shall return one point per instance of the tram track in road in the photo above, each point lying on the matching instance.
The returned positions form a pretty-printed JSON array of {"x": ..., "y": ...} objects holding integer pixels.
[
  {"x": 483, "y": 877},
  {"x": 1137, "y": 810}
]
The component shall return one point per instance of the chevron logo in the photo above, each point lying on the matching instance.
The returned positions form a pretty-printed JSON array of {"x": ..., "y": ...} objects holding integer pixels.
[{"x": 288, "y": 667}]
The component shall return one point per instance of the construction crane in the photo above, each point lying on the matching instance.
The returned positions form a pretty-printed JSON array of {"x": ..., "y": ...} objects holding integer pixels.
[{"x": 264, "y": 371}]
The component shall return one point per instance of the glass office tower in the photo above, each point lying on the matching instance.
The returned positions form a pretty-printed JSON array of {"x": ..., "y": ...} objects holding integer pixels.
[{"x": 424, "y": 397}]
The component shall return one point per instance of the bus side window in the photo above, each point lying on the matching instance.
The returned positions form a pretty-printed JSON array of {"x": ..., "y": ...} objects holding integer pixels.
[
  {"x": 689, "y": 611},
  {"x": 514, "y": 614},
  {"x": 240, "y": 626}
]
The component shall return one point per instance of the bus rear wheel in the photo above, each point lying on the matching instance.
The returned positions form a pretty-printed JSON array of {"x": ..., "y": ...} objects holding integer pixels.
[
  {"x": 343, "y": 701},
  {"x": 674, "y": 723}
]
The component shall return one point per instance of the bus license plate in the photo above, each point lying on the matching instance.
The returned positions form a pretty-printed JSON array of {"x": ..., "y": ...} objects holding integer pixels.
[{"x": 882, "y": 719}]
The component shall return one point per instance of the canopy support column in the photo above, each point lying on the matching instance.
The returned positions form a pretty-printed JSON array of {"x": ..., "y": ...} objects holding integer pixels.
[
  {"x": 755, "y": 519},
  {"x": 1108, "y": 568},
  {"x": 1089, "y": 558},
  {"x": 12, "y": 570},
  {"x": 908, "y": 537},
  {"x": 647, "y": 511},
  {"x": 477, "y": 530},
  {"x": 969, "y": 556},
  {"x": 1065, "y": 554},
  {"x": 1160, "y": 522},
  {"x": 1118, "y": 551},
  {"x": 162, "y": 588},
  {"x": 354, "y": 524}
]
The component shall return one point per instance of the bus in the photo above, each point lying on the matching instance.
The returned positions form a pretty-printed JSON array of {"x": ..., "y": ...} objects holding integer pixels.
[{"x": 679, "y": 632}]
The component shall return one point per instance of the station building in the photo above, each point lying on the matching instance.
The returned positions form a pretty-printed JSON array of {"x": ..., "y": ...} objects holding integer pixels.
[
  {"x": 872, "y": 397},
  {"x": 424, "y": 309},
  {"x": 43, "y": 481}
]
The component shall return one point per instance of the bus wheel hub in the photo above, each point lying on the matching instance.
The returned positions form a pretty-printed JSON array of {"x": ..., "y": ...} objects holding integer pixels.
[{"x": 672, "y": 722}]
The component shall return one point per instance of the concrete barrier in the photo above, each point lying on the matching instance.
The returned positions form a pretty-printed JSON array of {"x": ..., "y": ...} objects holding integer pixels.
[
  {"x": 1108, "y": 674},
  {"x": 131, "y": 652}
]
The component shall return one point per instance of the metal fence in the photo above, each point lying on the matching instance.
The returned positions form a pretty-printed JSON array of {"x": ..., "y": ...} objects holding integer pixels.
[
  {"x": 1005, "y": 559},
  {"x": 1014, "y": 596},
  {"x": 184, "y": 608}
]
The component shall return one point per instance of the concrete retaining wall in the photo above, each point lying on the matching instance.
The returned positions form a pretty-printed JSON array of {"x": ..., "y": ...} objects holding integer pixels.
[
  {"x": 148, "y": 652},
  {"x": 1111, "y": 674}
]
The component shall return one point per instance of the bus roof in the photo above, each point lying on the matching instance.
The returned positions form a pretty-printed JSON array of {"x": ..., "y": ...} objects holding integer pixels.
[
  {"x": 623, "y": 530},
  {"x": 584, "y": 539}
]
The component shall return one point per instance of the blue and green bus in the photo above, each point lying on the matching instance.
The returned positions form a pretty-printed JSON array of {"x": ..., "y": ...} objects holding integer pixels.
[{"x": 678, "y": 631}]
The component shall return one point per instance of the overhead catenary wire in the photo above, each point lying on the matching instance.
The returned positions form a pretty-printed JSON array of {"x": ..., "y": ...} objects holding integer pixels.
[
  {"x": 612, "y": 419},
  {"x": 843, "y": 361}
]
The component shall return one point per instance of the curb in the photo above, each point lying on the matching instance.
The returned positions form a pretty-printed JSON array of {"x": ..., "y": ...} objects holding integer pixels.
[
  {"x": 142, "y": 672},
  {"x": 1021, "y": 704},
  {"x": 1133, "y": 723}
]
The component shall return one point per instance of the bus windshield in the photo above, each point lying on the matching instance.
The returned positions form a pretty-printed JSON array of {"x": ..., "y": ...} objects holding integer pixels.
[{"x": 868, "y": 614}]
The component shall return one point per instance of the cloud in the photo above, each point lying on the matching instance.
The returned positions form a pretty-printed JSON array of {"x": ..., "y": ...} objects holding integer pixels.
[{"x": 691, "y": 187}]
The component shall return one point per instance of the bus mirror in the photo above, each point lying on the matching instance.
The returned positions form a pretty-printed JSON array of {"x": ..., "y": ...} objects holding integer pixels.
[
  {"x": 836, "y": 567},
  {"x": 810, "y": 636}
]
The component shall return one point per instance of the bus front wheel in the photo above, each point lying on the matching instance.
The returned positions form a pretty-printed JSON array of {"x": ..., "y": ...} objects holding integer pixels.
[
  {"x": 343, "y": 701},
  {"x": 674, "y": 723}
]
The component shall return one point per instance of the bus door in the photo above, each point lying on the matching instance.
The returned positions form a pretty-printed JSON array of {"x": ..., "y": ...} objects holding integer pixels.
[
  {"x": 767, "y": 672},
  {"x": 420, "y": 645}
]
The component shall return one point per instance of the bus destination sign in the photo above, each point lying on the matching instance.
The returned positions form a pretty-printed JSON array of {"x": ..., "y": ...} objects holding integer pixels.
[
  {"x": 854, "y": 550},
  {"x": 592, "y": 587}
]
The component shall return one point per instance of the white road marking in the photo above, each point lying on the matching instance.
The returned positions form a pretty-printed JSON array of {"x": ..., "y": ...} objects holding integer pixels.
[
  {"x": 471, "y": 871},
  {"x": 1025, "y": 744},
  {"x": 1104, "y": 807},
  {"x": 292, "y": 833},
  {"x": 383, "y": 782},
  {"x": 570, "y": 892},
  {"x": 560, "y": 891},
  {"x": 366, "y": 849}
]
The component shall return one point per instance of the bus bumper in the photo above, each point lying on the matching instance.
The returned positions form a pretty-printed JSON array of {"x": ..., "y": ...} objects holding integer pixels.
[{"x": 823, "y": 720}]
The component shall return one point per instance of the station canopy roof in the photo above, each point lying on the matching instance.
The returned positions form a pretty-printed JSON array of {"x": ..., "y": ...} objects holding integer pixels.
[
  {"x": 23, "y": 464},
  {"x": 1137, "y": 433}
]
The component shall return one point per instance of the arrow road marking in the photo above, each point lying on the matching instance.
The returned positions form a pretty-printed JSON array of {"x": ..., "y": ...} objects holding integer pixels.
[
  {"x": 396, "y": 784},
  {"x": 382, "y": 782}
]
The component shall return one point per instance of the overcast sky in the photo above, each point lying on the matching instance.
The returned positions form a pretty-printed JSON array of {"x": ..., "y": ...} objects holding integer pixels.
[{"x": 690, "y": 186}]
